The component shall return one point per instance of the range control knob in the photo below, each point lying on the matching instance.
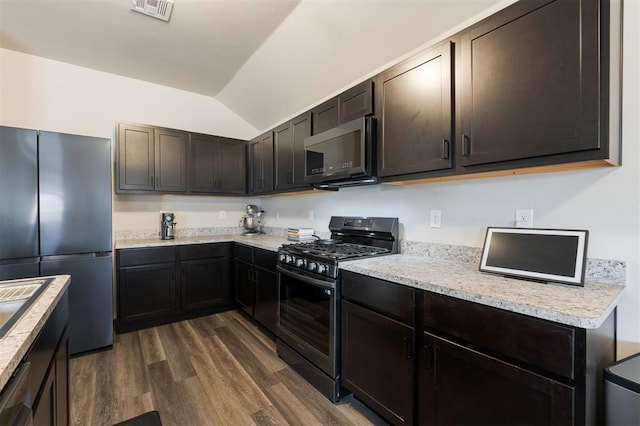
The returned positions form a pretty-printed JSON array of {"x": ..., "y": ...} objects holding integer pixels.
[
  {"x": 322, "y": 268},
  {"x": 288, "y": 259},
  {"x": 282, "y": 257},
  {"x": 312, "y": 266},
  {"x": 299, "y": 263}
]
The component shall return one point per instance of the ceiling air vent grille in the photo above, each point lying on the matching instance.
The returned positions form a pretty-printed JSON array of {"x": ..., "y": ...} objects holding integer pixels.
[{"x": 160, "y": 9}]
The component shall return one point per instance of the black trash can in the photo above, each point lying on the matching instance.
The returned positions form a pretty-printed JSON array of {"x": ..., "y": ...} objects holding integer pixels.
[{"x": 622, "y": 392}]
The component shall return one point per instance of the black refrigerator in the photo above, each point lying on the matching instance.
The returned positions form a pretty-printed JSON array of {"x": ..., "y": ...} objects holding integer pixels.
[{"x": 55, "y": 218}]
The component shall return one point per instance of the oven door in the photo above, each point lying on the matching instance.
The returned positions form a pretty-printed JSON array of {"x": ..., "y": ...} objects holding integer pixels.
[{"x": 308, "y": 318}]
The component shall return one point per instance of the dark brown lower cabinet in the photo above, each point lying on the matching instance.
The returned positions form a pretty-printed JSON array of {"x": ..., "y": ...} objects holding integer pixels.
[
  {"x": 244, "y": 286},
  {"x": 266, "y": 298},
  {"x": 377, "y": 362},
  {"x": 205, "y": 276},
  {"x": 459, "y": 385}
]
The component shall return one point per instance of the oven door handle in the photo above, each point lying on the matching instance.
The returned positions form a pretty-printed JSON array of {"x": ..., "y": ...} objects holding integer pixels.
[{"x": 306, "y": 279}]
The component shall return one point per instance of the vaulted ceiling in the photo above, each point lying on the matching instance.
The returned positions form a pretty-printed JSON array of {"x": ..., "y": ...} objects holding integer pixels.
[{"x": 264, "y": 59}]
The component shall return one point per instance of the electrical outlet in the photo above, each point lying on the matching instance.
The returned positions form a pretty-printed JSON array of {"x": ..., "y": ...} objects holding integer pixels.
[
  {"x": 223, "y": 214},
  {"x": 436, "y": 219},
  {"x": 524, "y": 218},
  {"x": 310, "y": 214}
]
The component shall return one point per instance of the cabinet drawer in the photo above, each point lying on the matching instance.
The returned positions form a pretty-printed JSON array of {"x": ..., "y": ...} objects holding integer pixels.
[
  {"x": 265, "y": 259},
  {"x": 391, "y": 299},
  {"x": 243, "y": 252},
  {"x": 203, "y": 251},
  {"x": 145, "y": 256},
  {"x": 536, "y": 342}
]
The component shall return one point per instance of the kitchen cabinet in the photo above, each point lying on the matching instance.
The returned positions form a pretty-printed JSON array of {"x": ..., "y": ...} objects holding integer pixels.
[
  {"x": 261, "y": 160},
  {"x": 351, "y": 104},
  {"x": 534, "y": 82},
  {"x": 491, "y": 362},
  {"x": 151, "y": 159},
  {"x": 289, "y": 152},
  {"x": 415, "y": 114},
  {"x": 49, "y": 358},
  {"x": 205, "y": 273},
  {"x": 257, "y": 284},
  {"x": 163, "y": 284},
  {"x": 378, "y": 335},
  {"x": 217, "y": 165}
]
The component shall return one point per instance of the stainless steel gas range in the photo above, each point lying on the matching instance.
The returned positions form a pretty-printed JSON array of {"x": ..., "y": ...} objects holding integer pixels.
[{"x": 309, "y": 302}]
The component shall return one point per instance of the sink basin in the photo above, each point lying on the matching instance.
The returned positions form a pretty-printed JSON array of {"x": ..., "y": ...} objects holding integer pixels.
[{"x": 15, "y": 298}]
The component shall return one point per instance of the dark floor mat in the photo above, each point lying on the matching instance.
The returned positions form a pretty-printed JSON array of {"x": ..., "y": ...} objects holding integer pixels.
[{"x": 152, "y": 418}]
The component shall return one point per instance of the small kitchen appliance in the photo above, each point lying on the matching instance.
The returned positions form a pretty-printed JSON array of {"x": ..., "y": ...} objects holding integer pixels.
[
  {"x": 253, "y": 220},
  {"x": 167, "y": 225},
  {"x": 308, "y": 325}
]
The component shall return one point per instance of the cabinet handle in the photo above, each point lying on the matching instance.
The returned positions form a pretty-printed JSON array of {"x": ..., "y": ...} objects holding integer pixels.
[
  {"x": 255, "y": 276},
  {"x": 445, "y": 149},
  {"x": 466, "y": 146},
  {"x": 408, "y": 347},
  {"x": 428, "y": 357}
]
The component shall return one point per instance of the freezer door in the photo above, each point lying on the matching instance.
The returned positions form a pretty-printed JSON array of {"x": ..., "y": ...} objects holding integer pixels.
[
  {"x": 90, "y": 299},
  {"x": 18, "y": 193},
  {"x": 75, "y": 194}
]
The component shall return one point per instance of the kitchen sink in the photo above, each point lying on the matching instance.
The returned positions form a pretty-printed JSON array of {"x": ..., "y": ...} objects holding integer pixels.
[{"x": 15, "y": 298}]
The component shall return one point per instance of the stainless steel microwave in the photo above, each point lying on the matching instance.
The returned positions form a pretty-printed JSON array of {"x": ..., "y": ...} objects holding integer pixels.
[{"x": 343, "y": 155}]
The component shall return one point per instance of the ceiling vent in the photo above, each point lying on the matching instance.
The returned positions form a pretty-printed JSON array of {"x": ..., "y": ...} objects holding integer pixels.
[{"x": 160, "y": 9}]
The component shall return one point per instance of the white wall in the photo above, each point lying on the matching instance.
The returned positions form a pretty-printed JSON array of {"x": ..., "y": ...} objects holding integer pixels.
[
  {"x": 49, "y": 95},
  {"x": 604, "y": 201}
]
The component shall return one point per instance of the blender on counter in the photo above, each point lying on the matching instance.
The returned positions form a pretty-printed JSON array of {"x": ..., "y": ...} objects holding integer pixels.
[{"x": 253, "y": 220}]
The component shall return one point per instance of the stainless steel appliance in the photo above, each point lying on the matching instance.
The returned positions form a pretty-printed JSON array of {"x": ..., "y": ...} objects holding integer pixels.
[
  {"x": 61, "y": 224},
  {"x": 342, "y": 156},
  {"x": 15, "y": 399},
  {"x": 309, "y": 302},
  {"x": 167, "y": 225},
  {"x": 253, "y": 220}
]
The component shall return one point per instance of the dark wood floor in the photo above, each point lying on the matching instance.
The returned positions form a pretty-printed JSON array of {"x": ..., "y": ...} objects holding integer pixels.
[{"x": 219, "y": 369}]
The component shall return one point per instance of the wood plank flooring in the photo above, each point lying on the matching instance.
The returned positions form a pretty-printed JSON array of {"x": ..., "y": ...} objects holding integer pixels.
[{"x": 214, "y": 370}]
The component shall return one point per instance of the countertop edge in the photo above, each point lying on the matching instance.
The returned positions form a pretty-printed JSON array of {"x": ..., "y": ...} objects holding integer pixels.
[{"x": 17, "y": 341}]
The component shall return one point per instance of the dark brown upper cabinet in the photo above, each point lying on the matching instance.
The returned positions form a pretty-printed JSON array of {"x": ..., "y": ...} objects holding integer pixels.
[
  {"x": 531, "y": 82},
  {"x": 217, "y": 165},
  {"x": 415, "y": 114},
  {"x": 151, "y": 159},
  {"x": 289, "y": 152},
  {"x": 261, "y": 160},
  {"x": 349, "y": 105}
]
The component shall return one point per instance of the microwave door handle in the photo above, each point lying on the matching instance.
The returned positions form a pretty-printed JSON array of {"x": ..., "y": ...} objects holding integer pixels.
[{"x": 305, "y": 279}]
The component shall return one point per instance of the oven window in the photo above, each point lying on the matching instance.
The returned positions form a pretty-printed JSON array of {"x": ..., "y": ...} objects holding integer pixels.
[{"x": 305, "y": 312}]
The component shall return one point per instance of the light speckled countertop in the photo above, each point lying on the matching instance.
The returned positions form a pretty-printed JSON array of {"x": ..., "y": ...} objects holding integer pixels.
[
  {"x": 453, "y": 271},
  {"x": 585, "y": 307},
  {"x": 15, "y": 344}
]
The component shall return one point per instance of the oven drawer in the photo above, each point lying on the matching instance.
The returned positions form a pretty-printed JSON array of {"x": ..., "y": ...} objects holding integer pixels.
[
  {"x": 394, "y": 300},
  {"x": 536, "y": 342}
]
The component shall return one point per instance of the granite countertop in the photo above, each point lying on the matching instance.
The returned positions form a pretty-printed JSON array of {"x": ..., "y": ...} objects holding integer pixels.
[
  {"x": 585, "y": 307},
  {"x": 267, "y": 242},
  {"x": 15, "y": 344}
]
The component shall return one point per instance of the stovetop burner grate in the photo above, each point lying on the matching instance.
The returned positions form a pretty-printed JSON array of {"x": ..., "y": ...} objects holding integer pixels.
[{"x": 336, "y": 251}]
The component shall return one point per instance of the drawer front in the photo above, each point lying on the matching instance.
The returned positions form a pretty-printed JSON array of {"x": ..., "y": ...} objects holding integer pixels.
[
  {"x": 535, "y": 342},
  {"x": 243, "y": 252},
  {"x": 394, "y": 300},
  {"x": 265, "y": 259},
  {"x": 145, "y": 256},
  {"x": 204, "y": 251}
]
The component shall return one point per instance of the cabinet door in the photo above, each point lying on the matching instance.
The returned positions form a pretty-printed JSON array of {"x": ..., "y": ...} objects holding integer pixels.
[
  {"x": 377, "y": 362},
  {"x": 266, "y": 306},
  {"x": 531, "y": 82},
  {"x": 261, "y": 155},
  {"x": 202, "y": 161},
  {"x": 415, "y": 114},
  {"x": 356, "y": 102},
  {"x": 136, "y": 158},
  {"x": 205, "y": 283},
  {"x": 244, "y": 286},
  {"x": 62, "y": 381},
  {"x": 44, "y": 408},
  {"x": 147, "y": 292},
  {"x": 301, "y": 127},
  {"x": 461, "y": 386},
  {"x": 325, "y": 116},
  {"x": 170, "y": 160},
  {"x": 283, "y": 144},
  {"x": 232, "y": 166}
]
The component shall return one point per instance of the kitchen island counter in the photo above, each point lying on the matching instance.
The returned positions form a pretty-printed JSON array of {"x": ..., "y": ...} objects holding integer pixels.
[
  {"x": 15, "y": 344},
  {"x": 585, "y": 307}
]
